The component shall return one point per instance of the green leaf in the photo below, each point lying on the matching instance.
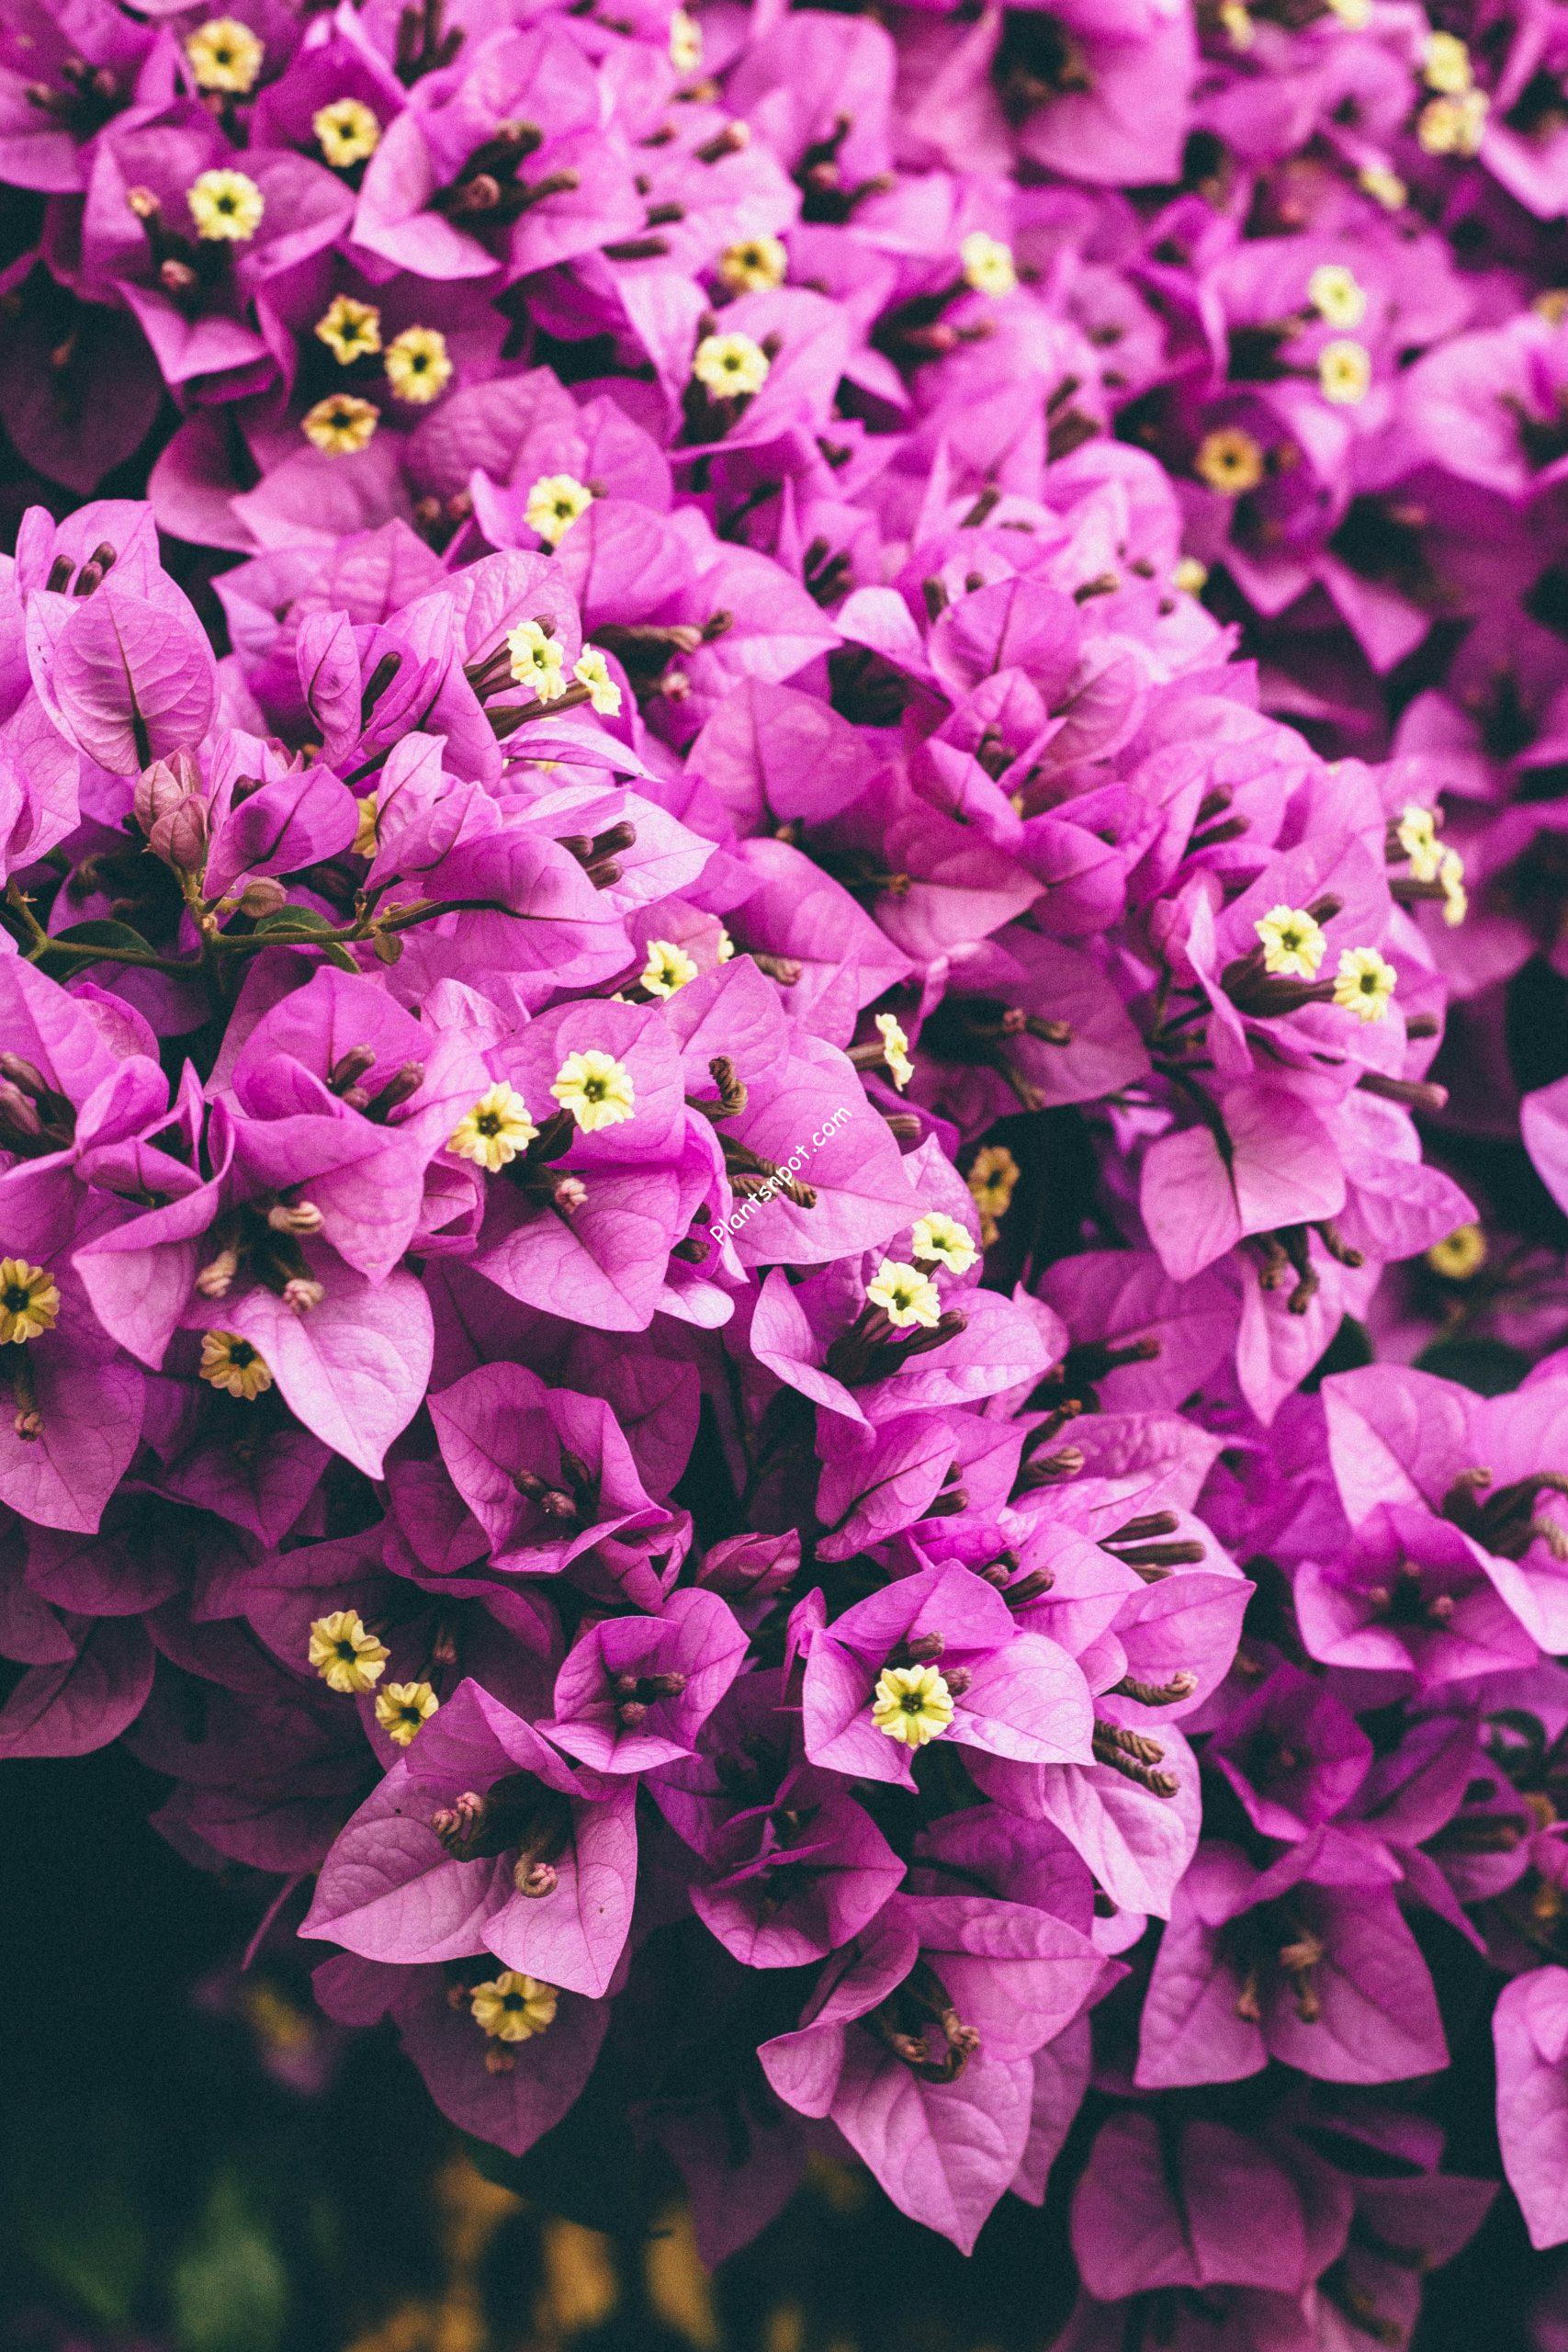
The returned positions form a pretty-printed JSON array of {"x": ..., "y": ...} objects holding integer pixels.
[
  {"x": 85, "y": 936},
  {"x": 1489, "y": 1366},
  {"x": 304, "y": 927},
  {"x": 228, "y": 2289}
]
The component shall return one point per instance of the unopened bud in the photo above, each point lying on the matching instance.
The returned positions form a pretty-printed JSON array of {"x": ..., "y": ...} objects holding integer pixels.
[
  {"x": 215, "y": 1278},
  {"x": 301, "y": 1295},
  {"x": 296, "y": 1217},
  {"x": 263, "y": 897}
]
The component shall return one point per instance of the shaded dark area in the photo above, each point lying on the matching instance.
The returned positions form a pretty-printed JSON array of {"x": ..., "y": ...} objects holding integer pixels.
[{"x": 188, "y": 2158}]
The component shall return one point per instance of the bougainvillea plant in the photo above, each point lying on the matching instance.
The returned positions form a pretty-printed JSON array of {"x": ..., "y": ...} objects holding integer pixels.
[{"x": 749, "y": 763}]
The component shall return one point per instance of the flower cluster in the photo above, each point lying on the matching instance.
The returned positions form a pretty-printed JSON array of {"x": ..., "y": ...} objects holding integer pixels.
[{"x": 724, "y": 923}]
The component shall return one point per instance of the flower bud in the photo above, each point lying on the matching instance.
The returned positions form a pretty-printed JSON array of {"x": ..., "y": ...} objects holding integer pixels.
[
  {"x": 751, "y": 1566},
  {"x": 171, "y": 811},
  {"x": 263, "y": 897}
]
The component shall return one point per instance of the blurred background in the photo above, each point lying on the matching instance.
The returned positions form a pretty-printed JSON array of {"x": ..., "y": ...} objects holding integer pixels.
[{"x": 192, "y": 2161}]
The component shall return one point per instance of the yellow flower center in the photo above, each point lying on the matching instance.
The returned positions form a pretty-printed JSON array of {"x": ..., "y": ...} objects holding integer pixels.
[
  {"x": 1237, "y": 20},
  {"x": 1445, "y": 64},
  {"x": 346, "y": 133},
  {"x": 895, "y": 1051},
  {"x": 1453, "y": 126},
  {"x": 992, "y": 1181},
  {"x": 341, "y": 425},
  {"x": 755, "y": 266},
  {"x": 905, "y": 1296},
  {"x": 1459, "y": 1254},
  {"x": 591, "y": 671},
  {"x": 940, "y": 1241},
  {"x": 367, "y": 841},
  {"x": 685, "y": 42},
  {"x": 730, "y": 366},
  {"x": 349, "y": 1659},
  {"x": 29, "y": 1301},
  {"x": 554, "y": 504},
  {"x": 226, "y": 207},
  {"x": 233, "y": 1364},
  {"x": 912, "y": 1703},
  {"x": 1385, "y": 187},
  {"x": 224, "y": 55},
  {"x": 535, "y": 661},
  {"x": 418, "y": 366},
  {"x": 667, "y": 967},
  {"x": 1190, "y": 576},
  {"x": 495, "y": 1130},
  {"x": 1416, "y": 834},
  {"x": 1336, "y": 295},
  {"x": 1456, "y": 898},
  {"x": 1364, "y": 983},
  {"x": 1229, "y": 461},
  {"x": 1344, "y": 372},
  {"x": 1294, "y": 941},
  {"x": 596, "y": 1089},
  {"x": 987, "y": 264},
  {"x": 513, "y": 2007},
  {"x": 403, "y": 1710},
  {"x": 349, "y": 329}
]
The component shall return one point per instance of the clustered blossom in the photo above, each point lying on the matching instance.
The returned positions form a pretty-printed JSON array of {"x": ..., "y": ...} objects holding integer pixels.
[{"x": 724, "y": 928}]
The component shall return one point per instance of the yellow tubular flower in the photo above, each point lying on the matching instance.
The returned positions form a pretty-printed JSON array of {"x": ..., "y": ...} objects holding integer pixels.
[
  {"x": 418, "y": 365},
  {"x": 349, "y": 329},
  {"x": 403, "y": 1710},
  {"x": 1416, "y": 834},
  {"x": 535, "y": 661},
  {"x": 596, "y": 1089},
  {"x": 912, "y": 1703},
  {"x": 730, "y": 366},
  {"x": 1190, "y": 576},
  {"x": 554, "y": 504},
  {"x": 233, "y": 1364},
  {"x": 895, "y": 1051},
  {"x": 513, "y": 2007},
  {"x": 591, "y": 670},
  {"x": 1453, "y": 126},
  {"x": 224, "y": 55},
  {"x": 1364, "y": 983},
  {"x": 1456, "y": 898},
  {"x": 987, "y": 264},
  {"x": 341, "y": 425},
  {"x": 1445, "y": 64},
  {"x": 1230, "y": 460},
  {"x": 346, "y": 133},
  {"x": 1294, "y": 941},
  {"x": 685, "y": 42},
  {"x": 349, "y": 1659},
  {"x": 495, "y": 1130},
  {"x": 754, "y": 266},
  {"x": 1344, "y": 372},
  {"x": 226, "y": 207},
  {"x": 905, "y": 1296},
  {"x": 29, "y": 1301},
  {"x": 1459, "y": 1254},
  {"x": 1236, "y": 19},
  {"x": 940, "y": 1241},
  {"x": 992, "y": 1181},
  {"x": 667, "y": 967},
  {"x": 1356, "y": 15},
  {"x": 367, "y": 841},
  {"x": 1336, "y": 295},
  {"x": 1385, "y": 187}
]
